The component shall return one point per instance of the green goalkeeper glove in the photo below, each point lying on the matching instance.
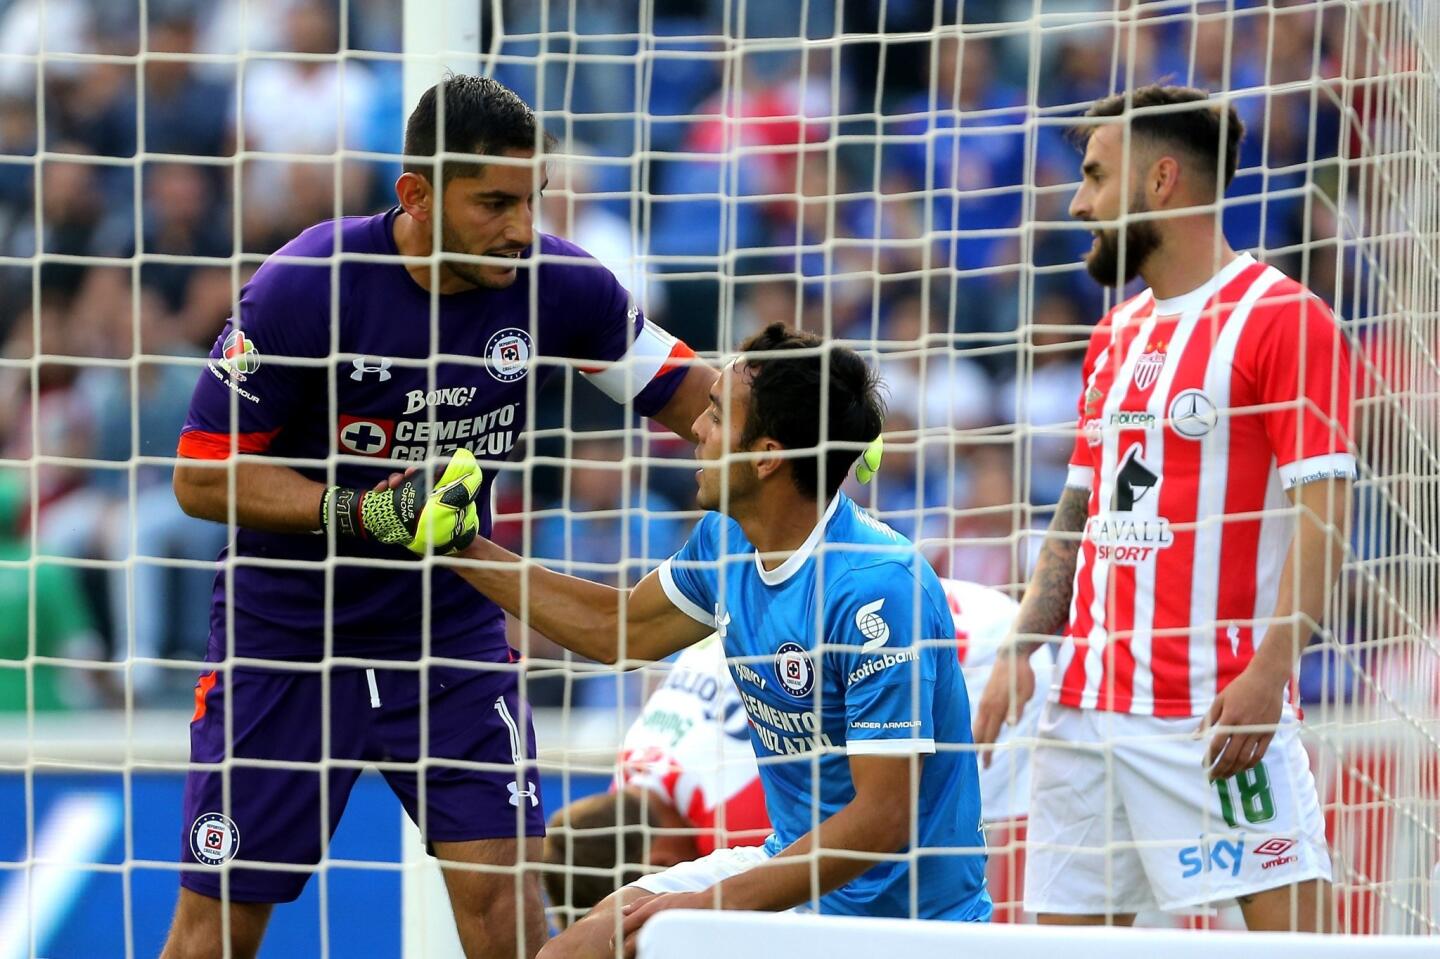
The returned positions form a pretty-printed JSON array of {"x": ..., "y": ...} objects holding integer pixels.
[
  {"x": 445, "y": 521},
  {"x": 869, "y": 463}
]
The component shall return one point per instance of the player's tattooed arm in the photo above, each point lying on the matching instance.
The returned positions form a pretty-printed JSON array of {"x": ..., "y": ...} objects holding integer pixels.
[
  {"x": 1043, "y": 611},
  {"x": 1045, "y": 608}
]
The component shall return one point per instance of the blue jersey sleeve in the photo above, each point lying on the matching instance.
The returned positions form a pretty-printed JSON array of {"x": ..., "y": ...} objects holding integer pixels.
[
  {"x": 690, "y": 578},
  {"x": 876, "y": 647}
]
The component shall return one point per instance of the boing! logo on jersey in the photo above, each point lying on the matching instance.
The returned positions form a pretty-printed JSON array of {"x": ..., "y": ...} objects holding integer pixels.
[
  {"x": 214, "y": 839},
  {"x": 509, "y": 351},
  {"x": 794, "y": 670}
]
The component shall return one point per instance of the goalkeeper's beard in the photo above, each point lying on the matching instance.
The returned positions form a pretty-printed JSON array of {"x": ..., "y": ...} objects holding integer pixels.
[
  {"x": 1142, "y": 239},
  {"x": 472, "y": 273}
]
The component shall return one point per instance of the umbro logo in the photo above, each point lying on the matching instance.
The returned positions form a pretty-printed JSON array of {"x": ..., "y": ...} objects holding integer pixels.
[{"x": 363, "y": 365}]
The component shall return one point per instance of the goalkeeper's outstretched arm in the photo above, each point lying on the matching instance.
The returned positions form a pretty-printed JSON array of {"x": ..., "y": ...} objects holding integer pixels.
[{"x": 597, "y": 621}]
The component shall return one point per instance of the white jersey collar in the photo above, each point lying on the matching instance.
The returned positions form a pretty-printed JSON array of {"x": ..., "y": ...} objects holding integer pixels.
[
  {"x": 1196, "y": 298},
  {"x": 797, "y": 559}
]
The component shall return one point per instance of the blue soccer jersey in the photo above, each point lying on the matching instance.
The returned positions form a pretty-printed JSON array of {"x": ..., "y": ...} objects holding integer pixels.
[{"x": 847, "y": 648}]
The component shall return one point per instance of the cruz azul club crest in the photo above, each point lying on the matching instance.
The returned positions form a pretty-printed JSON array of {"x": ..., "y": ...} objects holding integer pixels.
[
  {"x": 509, "y": 352},
  {"x": 214, "y": 839},
  {"x": 1148, "y": 367}
]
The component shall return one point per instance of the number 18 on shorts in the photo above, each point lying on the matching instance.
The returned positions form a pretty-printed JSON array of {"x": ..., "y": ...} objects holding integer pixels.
[{"x": 1123, "y": 818}]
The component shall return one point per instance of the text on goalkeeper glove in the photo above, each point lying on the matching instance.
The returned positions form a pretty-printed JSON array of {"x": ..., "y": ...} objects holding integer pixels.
[{"x": 443, "y": 521}]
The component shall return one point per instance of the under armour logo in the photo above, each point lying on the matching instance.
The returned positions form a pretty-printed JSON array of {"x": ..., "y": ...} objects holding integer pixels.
[
  {"x": 516, "y": 792},
  {"x": 722, "y": 622},
  {"x": 363, "y": 366}
]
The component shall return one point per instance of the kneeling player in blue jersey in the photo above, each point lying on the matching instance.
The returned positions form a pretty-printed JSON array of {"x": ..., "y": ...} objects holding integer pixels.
[{"x": 839, "y": 637}]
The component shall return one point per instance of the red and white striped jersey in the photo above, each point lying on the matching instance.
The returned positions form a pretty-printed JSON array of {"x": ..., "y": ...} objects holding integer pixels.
[
  {"x": 691, "y": 745},
  {"x": 1198, "y": 414}
]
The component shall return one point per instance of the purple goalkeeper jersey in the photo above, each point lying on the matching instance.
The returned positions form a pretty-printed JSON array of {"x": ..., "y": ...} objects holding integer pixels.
[{"x": 349, "y": 361}]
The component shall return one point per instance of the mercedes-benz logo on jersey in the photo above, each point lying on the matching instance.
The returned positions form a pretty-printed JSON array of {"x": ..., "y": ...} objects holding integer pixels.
[
  {"x": 794, "y": 670},
  {"x": 1192, "y": 415},
  {"x": 366, "y": 364},
  {"x": 214, "y": 839},
  {"x": 509, "y": 352}
]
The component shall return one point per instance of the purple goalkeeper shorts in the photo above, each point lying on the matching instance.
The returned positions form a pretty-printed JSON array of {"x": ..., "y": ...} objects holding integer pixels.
[{"x": 263, "y": 815}]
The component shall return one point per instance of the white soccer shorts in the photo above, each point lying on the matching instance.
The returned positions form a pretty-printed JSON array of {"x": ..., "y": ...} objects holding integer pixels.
[
  {"x": 1123, "y": 819},
  {"x": 697, "y": 875}
]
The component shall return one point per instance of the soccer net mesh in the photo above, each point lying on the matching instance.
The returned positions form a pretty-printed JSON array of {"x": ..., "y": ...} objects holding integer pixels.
[{"x": 891, "y": 175}]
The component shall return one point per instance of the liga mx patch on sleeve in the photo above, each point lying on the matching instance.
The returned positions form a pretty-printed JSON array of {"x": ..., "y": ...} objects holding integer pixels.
[{"x": 214, "y": 839}]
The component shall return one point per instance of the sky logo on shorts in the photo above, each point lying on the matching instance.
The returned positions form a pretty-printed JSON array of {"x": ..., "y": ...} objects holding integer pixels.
[
  {"x": 214, "y": 839},
  {"x": 1223, "y": 855}
]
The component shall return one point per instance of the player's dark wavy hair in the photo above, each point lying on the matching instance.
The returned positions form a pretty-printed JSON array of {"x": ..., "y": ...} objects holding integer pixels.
[
  {"x": 598, "y": 833},
  {"x": 1181, "y": 118},
  {"x": 482, "y": 116},
  {"x": 796, "y": 380}
]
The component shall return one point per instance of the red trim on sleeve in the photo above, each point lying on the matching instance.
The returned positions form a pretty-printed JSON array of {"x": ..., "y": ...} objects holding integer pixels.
[
  {"x": 200, "y": 445},
  {"x": 202, "y": 689},
  {"x": 680, "y": 355}
]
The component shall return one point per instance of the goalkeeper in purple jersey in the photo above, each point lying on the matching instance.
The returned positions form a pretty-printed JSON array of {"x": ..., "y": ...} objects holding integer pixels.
[{"x": 349, "y": 362}]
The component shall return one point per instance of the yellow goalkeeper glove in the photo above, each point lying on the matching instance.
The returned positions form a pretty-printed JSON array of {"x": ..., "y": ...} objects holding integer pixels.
[
  {"x": 444, "y": 521},
  {"x": 869, "y": 464}
]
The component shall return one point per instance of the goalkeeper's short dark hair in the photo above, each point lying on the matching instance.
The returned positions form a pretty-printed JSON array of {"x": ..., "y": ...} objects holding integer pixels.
[
  {"x": 1181, "y": 118},
  {"x": 604, "y": 832},
  {"x": 798, "y": 379},
  {"x": 481, "y": 116}
]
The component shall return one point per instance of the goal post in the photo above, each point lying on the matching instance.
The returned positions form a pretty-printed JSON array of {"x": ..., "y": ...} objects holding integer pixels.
[{"x": 440, "y": 35}]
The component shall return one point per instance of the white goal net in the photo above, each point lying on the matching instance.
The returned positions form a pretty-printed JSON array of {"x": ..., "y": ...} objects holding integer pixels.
[{"x": 891, "y": 174}]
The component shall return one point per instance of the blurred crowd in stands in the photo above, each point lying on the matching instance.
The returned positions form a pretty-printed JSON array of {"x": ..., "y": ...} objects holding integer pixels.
[{"x": 908, "y": 195}]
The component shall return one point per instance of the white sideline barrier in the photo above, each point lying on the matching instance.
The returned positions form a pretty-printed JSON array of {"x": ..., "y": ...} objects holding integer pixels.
[{"x": 689, "y": 934}]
